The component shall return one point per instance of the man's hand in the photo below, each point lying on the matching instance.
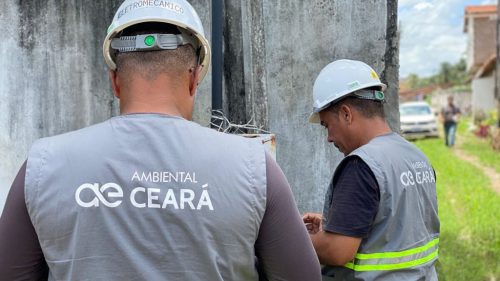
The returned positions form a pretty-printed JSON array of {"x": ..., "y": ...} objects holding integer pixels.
[
  {"x": 331, "y": 248},
  {"x": 313, "y": 222}
]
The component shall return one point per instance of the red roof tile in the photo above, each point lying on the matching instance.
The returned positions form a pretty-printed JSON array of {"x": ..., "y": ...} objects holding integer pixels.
[
  {"x": 478, "y": 11},
  {"x": 482, "y": 9}
]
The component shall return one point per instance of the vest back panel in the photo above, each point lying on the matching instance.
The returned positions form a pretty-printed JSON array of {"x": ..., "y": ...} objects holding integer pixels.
[{"x": 147, "y": 197}]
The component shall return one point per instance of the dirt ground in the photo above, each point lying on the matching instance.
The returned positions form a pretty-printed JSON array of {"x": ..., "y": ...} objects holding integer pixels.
[{"x": 489, "y": 172}]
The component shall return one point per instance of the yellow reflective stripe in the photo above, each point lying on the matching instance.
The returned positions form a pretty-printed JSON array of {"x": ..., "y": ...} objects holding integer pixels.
[
  {"x": 390, "y": 255},
  {"x": 376, "y": 267}
]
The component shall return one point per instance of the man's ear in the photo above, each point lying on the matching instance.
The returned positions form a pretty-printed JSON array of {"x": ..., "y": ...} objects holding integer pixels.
[
  {"x": 115, "y": 83},
  {"x": 194, "y": 79},
  {"x": 346, "y": 114}
]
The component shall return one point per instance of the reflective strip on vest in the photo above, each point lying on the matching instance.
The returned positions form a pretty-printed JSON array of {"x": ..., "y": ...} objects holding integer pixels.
[{"x": 396, "y": 260}]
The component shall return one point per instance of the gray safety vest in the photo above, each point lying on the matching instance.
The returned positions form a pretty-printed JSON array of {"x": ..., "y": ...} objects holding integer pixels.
[
  {"x": 147, "y": 197},
  {"x": 403, "y": 242}
]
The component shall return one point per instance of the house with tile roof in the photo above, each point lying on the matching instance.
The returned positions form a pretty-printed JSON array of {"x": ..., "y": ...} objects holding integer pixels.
[{"x": 480, "y": 25}]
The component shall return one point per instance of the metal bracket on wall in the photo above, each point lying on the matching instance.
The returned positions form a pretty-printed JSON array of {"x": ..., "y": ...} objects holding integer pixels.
[{"x": 222, "y": 124}]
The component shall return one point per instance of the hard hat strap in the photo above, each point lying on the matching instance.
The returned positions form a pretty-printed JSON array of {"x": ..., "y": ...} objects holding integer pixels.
[
  {"x": 151, "y": 42},
  {"x": 370, "y": 95}
]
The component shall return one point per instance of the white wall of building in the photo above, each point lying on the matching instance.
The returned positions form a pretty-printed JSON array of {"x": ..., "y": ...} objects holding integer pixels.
[{"x": 483, "y": 94}]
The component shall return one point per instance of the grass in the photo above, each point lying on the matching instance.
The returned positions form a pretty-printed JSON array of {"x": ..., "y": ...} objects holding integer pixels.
[
  {"x": 469, "y": 212},
  {"x": 479, "y": 147}
]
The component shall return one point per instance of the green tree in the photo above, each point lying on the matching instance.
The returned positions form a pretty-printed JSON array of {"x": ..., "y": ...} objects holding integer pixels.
[
  {"x": 413, "y": 80},
  {"x": 448, "y": 75},
  {"x": 445, "y": 73}
]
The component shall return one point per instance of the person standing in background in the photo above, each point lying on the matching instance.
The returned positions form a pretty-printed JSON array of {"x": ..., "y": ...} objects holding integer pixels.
[{"x": 450, "y": 114}]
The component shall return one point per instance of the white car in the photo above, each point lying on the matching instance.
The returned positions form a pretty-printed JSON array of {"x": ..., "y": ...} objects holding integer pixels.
[{"x": 417, "y": 120}]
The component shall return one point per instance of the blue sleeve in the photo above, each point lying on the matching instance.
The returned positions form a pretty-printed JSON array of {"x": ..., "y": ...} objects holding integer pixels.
[{"x": 355, "y": 200}]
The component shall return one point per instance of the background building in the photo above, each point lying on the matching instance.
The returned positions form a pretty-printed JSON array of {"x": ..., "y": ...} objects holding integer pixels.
[{"x": 480, "y": 25}]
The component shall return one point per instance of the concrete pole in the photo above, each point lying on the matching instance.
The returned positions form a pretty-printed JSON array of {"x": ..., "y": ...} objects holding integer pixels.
[{"x": 217, "y": 53}]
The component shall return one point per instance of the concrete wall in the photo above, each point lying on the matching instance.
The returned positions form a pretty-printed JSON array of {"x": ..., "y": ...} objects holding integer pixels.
[
  {"x": 485, "y": 31},
  {"x": 481, "y": 44},
  {"x": 483, "y": 97},
  {"x": 53, "y": 79}
]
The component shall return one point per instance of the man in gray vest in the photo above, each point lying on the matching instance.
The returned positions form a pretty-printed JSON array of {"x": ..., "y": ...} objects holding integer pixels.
[
  {"x": 380, "y": 218},
  {"x": 150, "y": 195}
]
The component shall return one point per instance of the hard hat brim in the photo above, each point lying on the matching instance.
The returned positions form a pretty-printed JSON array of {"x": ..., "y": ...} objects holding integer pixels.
[{"x": 314, "y": 118}]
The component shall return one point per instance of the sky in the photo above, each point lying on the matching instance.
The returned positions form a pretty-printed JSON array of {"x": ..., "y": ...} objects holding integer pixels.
[{"x": 432, "y": 33}]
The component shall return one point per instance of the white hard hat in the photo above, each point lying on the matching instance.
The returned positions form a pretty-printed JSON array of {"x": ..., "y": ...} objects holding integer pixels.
[
  {"x": 175, "y": 12},
  {"x": 339, "y": 79}
]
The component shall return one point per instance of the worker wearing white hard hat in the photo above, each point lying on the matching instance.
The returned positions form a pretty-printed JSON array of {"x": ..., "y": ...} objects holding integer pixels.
[
  {"x": 373, "y": 224},
  {"x": 342, "y": 78},
  {"x": 150, "y": 195}
]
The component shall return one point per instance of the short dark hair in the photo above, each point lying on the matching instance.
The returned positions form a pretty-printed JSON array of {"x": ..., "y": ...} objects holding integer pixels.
[
  {"x": 367, "y": 108},
  {"x": 150, "y": 64}
]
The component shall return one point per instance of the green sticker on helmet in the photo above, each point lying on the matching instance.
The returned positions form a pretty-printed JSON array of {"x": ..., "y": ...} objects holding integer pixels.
[
  {"x": 379, "y": 95},
  {"x": 149, "y": 40},
  {"x": 353, "y": 85}
]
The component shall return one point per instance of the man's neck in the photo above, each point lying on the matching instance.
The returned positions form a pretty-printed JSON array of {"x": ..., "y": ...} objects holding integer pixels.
[
  {"x": 372, "y": 128},
  {"x": 157, "y": 96},
  {"x": 160, "y": 107}
]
